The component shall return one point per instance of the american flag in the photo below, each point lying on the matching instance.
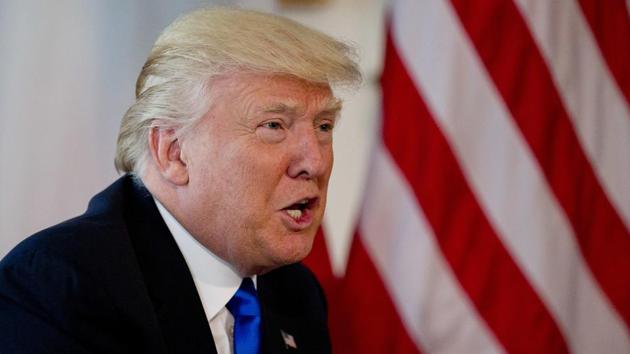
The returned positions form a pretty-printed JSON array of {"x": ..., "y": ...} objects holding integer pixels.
[{"x": 496, "y": 215}]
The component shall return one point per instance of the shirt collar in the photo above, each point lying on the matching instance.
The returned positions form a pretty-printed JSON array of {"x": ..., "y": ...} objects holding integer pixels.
[{"x": 214, "y": 278}]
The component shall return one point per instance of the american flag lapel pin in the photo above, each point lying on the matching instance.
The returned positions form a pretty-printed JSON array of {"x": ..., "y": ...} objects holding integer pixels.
[{"x": 289, "y": 341}]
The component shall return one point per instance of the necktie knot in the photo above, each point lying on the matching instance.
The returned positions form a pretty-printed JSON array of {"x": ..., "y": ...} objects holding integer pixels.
[{"x": 245, "y": 308}]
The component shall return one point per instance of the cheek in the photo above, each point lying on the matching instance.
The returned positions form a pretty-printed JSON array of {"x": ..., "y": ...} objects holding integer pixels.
[{"x": 250, "y": 181}]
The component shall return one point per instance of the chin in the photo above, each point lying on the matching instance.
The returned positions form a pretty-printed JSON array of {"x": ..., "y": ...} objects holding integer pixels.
[
  {"x": 279, "y": 246},
  {"x": 293, "y": 252}
]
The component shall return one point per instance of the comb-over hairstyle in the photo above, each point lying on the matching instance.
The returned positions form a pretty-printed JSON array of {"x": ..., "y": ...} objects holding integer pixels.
[{"x": 173, "y": 87}]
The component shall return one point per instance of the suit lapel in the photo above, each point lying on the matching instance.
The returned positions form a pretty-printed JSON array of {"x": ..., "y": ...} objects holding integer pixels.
[
  {"x": 293, "y": 312},
  {"x": 278, "y": 334},
  {"x": 170, "y": 285},
  {"x": 275, "y": 323}
]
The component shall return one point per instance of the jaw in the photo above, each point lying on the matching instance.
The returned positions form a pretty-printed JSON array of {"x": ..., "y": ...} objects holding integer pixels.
[{"x": 279, "y": 248}]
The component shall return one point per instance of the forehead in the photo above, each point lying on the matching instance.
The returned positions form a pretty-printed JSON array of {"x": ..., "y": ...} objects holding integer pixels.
[{"x": 275, "y": 94}]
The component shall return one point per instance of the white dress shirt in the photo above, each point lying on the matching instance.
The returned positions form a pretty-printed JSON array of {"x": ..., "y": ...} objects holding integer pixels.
[{"x": 215, "y": 280}]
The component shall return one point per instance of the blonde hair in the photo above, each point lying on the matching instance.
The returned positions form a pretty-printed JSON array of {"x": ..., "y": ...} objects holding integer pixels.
[{"x": 172, "y": 89}]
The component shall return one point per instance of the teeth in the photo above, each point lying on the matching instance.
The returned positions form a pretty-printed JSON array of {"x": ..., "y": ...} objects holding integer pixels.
[{"x": 295, "y": 213}]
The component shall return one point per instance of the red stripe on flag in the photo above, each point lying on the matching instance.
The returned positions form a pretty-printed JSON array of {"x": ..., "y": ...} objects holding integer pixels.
[
  {"x": 610, "y": 24},
  {"x": 361, "y": 315},
  {"x": 497, "y": 288},
  {"x": 368, "y": 322},
  {"x": 518, "y": 69}
]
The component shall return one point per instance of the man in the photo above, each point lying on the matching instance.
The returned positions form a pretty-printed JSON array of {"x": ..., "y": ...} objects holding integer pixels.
[{"x": 228, "y": 152}]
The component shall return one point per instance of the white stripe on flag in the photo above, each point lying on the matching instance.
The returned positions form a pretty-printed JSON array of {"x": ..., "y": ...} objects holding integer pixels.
[
  {"x": 431, "y": 304},
  {"x": 598, "y": 110},
  {"x": 503, "y": 173}
]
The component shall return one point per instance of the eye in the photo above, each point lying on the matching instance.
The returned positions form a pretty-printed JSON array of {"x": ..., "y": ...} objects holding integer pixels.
[
  {"x": 272, "y": 131},
  {"x": 324, "y": 130},
  {"x": 272, "y": 125},
  {"x": 326, "y": 127}
]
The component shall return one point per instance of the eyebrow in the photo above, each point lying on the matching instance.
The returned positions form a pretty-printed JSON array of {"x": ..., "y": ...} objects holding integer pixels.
[
  {"x": 332, "y": 108},
  {"x": 279, "y": 108}
]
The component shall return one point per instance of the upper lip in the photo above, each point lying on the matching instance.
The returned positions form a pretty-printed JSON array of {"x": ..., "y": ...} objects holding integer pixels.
[{"x": 311, "y": 202}]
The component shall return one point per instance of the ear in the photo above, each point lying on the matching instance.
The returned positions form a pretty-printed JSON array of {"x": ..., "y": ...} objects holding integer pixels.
[{"x": 166, "y": 154}]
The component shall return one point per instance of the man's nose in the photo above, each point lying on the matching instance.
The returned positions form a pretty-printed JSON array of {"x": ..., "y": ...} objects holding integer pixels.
[{"x": 311, "y": 158}]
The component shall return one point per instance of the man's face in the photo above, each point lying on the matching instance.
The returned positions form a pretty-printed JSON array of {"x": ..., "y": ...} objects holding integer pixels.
[{"x": 258, "y": 165}]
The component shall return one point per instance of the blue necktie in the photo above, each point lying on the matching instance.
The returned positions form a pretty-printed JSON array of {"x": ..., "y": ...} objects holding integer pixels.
[{"x": 245, "y": 308}]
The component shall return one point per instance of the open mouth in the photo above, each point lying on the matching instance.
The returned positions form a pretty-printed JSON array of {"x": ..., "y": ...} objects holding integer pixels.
[{"x": 301, "y": 210}]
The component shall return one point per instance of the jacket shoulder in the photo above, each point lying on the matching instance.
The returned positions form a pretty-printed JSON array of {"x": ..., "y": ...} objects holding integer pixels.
[
  {"x": 68, "y": 284},
  {"x": 47, "y": 292},
  {"x": 81, "y": 240}
]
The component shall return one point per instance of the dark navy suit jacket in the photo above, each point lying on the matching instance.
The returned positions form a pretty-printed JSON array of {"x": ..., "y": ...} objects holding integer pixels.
[{"x": 114, "y": 281}]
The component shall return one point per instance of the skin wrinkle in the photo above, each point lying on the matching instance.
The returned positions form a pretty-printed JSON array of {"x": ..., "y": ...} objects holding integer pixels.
[{"x": 242, "y": 172}]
